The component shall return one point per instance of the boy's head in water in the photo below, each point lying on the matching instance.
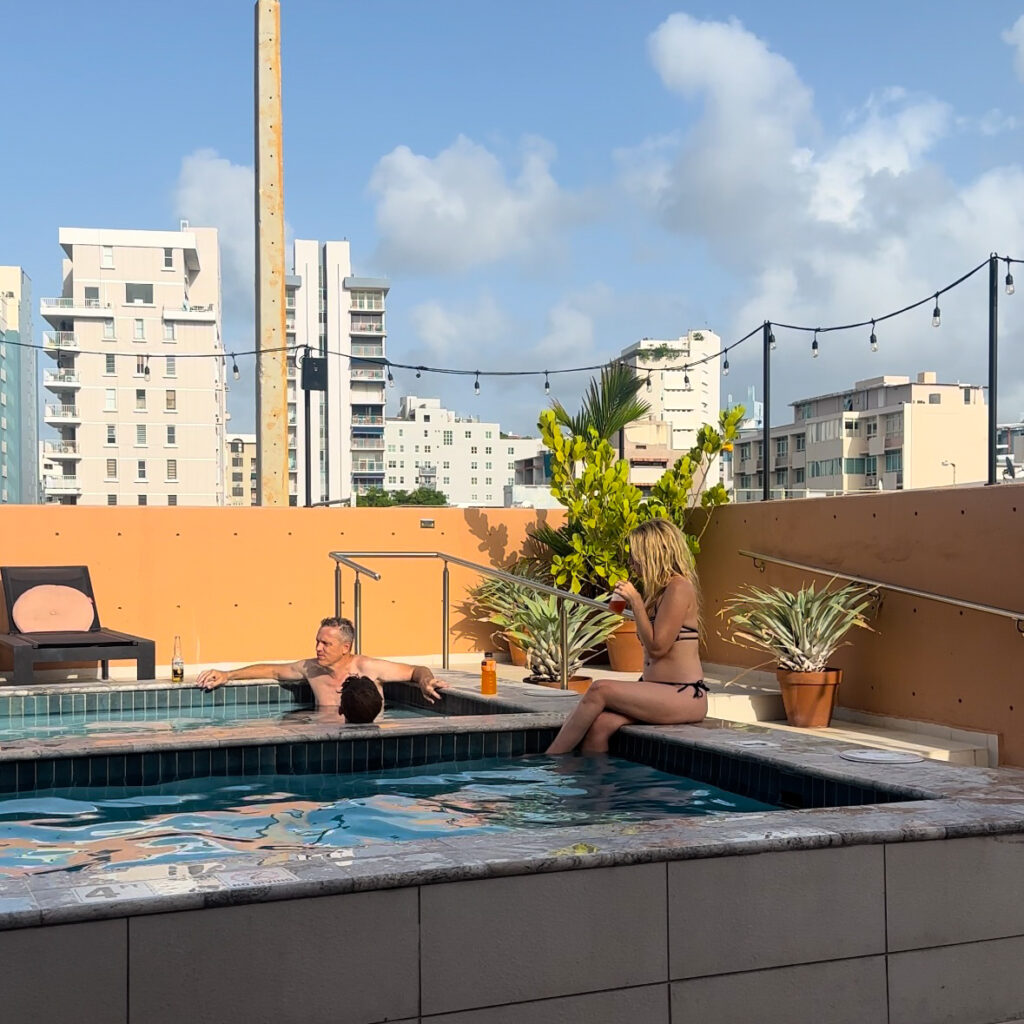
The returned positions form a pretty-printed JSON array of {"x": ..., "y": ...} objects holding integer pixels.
[{"x": 361, "y": 701}]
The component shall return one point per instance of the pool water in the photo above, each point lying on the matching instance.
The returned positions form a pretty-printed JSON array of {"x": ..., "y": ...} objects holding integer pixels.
[
  {"x": 177, "y": 719},
  {"x": 218, "y": 817}
]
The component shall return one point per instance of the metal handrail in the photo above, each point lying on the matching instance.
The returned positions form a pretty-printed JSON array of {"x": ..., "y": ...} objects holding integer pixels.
[
  {"x": 346, "y": 558},
  {"x": 1006, "y": 613}
]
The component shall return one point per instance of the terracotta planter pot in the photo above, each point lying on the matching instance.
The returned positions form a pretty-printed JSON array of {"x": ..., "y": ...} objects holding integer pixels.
[
  {"x": 625, "y": 652},
  {"x": 517, "y": 654},
  {"x": 578, "y": 684},
  {"x": 809, "y": 697}
]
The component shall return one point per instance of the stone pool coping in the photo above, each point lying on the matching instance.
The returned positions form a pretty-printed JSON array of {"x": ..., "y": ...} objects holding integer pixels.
[{"x": 957, "y": 801}]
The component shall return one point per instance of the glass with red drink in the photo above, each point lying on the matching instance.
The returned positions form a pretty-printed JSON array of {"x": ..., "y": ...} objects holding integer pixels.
[{"x": 617, "y": 604}]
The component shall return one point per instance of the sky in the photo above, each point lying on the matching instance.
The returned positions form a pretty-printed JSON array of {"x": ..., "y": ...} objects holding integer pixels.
[{"x": 544, "y": 184}]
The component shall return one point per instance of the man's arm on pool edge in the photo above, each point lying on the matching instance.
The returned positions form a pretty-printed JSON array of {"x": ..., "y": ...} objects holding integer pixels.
[
  {"x": 291, "y": 671},
  {"x": 396, "y": 672}
]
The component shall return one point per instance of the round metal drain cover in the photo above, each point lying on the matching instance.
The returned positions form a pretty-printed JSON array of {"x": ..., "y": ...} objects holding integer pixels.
[{"x": 881, "y": 756}]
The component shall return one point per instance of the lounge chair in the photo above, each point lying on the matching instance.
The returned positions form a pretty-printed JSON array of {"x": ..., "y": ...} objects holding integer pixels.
[{"x": 52, "y": 617}]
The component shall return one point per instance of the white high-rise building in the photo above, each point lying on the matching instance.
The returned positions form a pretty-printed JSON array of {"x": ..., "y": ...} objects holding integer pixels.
[
  {"x": 683, "y": 391},
  {"x": 468, "y": 461},
  {"x": 341, "y": 318},
  {"x": 19, "y": 419},
  {"x": 138, "y": 420}
]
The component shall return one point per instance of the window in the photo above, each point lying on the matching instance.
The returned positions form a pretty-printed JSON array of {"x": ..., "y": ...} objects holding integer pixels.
[
  {"x": 426, "y": 447},
  {"x": 139, "y": 330},
  {"x": 472, "y": 480},
  {"x": 92, "y": 295},
  {"x": 871, "y": 465},
  {"x": 111, "y": 469},
  {"x": 140, "y": 470},
  {"x": 851, "y": 427},
  {"x": 487, "y": 450},
  {"x": 799, "y": 443},
  {"x": 782, "y": 446},
  {"x": 472, "y": 450},
  {"x": 106, "y": 257},
  {"x": 871, "y": 428},
  {"x": 143, "y": 499},
  {"x": 487, "y": 434},
  {"x": 894, "y": 423},
  {"x": 111, "y": 433},
  {"x": 798, "y": 475},
  {"x": 138, "y": 294},
  {"x": 108, "y": 329},
  {"x": 169, "y": 330},
  {"x": 744, "y": 452},
  {"x": 447, "y": 480},
  {"x": 935, "y": 398},
  {"x": 236, "y": 478},
  {"x": 894, "y": 461},
  {"x": 781, "y": 476},
  {"x": 967, "y": 396},
  {"x": 110, "y": 366},
  {"x": 426, "y": 433},
  {"x": 168, "y": 259},
  {"x": 237, "y": 461},
  {"x": 172, "y": 469},
  {"x": 110, "y": 400},
  {"x": 446, "y": 437},
  {"x": 469, "y": 434},
  {"x": 140, "y": 366},
  {"x": 172, "y": 435},
  {"x": 487, "y": 465},
  {"x": 172, "y": 367},
  {"x": 140, "y": 399},
  {"x": 854, "y": 466},
  {"x": 140, "y": 433},
  {"x": 472, "y": 465},
  {"x": 171, "y": 401},
  {"x": 511, "y": 451},
  {"x": 111, "y": 499},
  {"x": 172, "y": 499}
]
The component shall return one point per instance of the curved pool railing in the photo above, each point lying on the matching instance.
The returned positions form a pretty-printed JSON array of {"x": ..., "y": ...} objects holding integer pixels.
[{"x": 347, "y": 559}]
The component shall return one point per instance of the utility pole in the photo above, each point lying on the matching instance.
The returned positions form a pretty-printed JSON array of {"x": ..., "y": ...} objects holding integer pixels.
[{"x": 271, "y": 359}]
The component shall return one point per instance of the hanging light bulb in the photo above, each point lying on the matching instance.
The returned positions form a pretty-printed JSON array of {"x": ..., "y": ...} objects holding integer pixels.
[
  {"x": 936, "y": 315},
  {"x": 234, "y": 368},
  {"x": 419, "y": 372},
  {"x": 771, "y": 340},
  {"x": 547, "y": 384},
  {"x": 391, "y": 379},
  {"x": 725, "y": 367},
  {"x": 1009, "y": 278},
  {"x": 145, "y": 369},
  {"x": 648, "y": 382},
  {"x": 686, "y": 377},
  {"x": 814, "y": 346},
  {"x": 874, "y": 339},
  {"x": 476, "y": 384}
]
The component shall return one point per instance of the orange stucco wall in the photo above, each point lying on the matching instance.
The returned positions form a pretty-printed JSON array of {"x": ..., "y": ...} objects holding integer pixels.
[
  {"x": 927, "y": 661},
  {"x": 251, "y": 584}
]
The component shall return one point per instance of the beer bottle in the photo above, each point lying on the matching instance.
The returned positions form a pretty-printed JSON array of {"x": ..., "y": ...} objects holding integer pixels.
[{"x": 177, "y": 663}]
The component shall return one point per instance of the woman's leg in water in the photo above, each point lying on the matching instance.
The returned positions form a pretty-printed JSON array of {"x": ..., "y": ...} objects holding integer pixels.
[{"x": 605, "y": 726}]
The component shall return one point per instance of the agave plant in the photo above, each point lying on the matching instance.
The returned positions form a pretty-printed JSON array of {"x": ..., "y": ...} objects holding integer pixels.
[
  {"x": 800, "y": 630},
  {"x": 540, "y": 633}
]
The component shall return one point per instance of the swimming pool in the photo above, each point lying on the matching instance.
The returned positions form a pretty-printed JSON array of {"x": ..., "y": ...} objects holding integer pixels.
[{"x": 223, "y": 817}]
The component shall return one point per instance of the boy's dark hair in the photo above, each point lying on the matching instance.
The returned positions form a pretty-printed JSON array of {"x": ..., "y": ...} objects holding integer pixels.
[{"x": 360, "y": 700}]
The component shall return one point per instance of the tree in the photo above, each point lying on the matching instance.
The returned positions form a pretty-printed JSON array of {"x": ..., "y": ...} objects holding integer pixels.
[
  {"x": 377, "y": 497},
  {"x": 609, "y": 405}
]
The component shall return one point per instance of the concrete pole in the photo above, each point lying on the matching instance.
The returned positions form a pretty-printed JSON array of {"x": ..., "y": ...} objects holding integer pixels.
[{"x": 271, "y": 361}]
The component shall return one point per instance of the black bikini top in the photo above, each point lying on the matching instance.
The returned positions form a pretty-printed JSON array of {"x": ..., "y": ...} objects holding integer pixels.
[{"x": 685, "y": 632}]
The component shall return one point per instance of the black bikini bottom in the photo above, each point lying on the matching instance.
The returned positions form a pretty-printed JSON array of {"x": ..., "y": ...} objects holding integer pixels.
[{"x": 699, "y": 687}]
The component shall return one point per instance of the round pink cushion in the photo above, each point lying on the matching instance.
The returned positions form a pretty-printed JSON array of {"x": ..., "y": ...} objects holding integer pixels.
[{"x": 49, "y": 608}]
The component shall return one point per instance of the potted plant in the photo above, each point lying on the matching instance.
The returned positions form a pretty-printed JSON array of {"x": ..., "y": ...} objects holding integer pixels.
[
  {"x": 540, "y": 634},
  {"x": 801, "y": 631}
]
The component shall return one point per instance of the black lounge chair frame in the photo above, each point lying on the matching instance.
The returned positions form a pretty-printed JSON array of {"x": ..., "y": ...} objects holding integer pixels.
[{"x": 94, "y": 644}]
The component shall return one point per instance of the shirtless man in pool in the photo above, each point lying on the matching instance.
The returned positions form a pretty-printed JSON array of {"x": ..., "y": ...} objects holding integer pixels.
[{"x": 333, "y": 664}]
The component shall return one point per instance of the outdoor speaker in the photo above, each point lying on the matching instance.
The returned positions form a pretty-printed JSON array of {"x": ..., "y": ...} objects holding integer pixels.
[{"x": 314, "y": 374}]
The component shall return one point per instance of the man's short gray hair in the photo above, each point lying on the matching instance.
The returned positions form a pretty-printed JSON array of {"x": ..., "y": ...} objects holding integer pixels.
[{"x": 343, "y": 626}]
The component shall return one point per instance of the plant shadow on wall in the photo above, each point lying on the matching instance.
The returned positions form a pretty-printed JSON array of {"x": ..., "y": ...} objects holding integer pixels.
[
  {"x": 801, "y": 630},
  {"x": 589, "y": 553}
]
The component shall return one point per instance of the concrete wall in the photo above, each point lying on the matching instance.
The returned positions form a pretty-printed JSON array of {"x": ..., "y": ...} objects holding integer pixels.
[
  {"x": 911, "y": 933},
  {"x": 928, "y": 661}
]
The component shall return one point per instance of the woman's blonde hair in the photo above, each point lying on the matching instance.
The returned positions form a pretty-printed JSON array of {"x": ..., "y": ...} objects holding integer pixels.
[{"x": 659, "y": 551}]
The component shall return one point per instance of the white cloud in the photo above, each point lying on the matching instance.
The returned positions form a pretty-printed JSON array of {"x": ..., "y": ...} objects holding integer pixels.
[
  {"x": 459, "y": 210},
  {"x": 1014, "y": 36},
  {"x": 452, "y": 336}
]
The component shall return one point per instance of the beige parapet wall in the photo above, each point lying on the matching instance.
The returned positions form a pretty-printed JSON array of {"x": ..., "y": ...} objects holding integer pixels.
[{"x": 928, "y": 661}]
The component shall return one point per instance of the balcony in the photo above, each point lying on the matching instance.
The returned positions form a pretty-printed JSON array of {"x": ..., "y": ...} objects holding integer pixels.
[
  {"x": 367, "y": 466},
  {"x": 189, "y": 313},
  {"x": 368, "y": 351},
  {"x": 55, "y": 340},
  {"x": 368, "y": 421},
  {"x": 62, "y": 413},
  {"x": 367, "y": 327},
  {"x": 61, "y": 449},
  {"x": 891, "y": 441},
  {"x": 59, "y": 485},
  {"x": 359, "y": 374},
  {"x": 67, "y": 306},
  {"x": 375, "y": 443},
  {"x": 58, "y": 380}
]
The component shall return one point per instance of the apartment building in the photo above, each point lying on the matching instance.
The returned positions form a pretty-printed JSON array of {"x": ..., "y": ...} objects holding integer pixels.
[
  {"x": 240, "y": 484},
  {"x": 679, "y": 388},
  {"x": 138, "y": 417},
  {"x": 886, "y": 433},
  {"x": 1010, "y": 451},
  {"x": 341, "y": 318},
  {"x": 468, "y": 461},
  {"x": 19, "y": 463}
]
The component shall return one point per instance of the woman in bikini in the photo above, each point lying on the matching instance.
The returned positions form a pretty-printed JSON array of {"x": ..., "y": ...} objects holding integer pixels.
[{"x": 671, "y": 691}]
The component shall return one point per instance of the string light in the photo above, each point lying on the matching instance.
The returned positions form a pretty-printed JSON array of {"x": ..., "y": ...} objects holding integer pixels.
[
  {"x": 771, "y": 340},
  {"x": 145, "y": 370},
  {"x": 814, "y": 344},
  {"x": 874, "y": 338},
  {"x": 725, "y": 366},
  {"x": 648, "y": 381},
  {"x": 547, "y": 384},
  {"x": 476, "y": 384},
  {"x": 419, "y": 372},
  {"x": 234, "y": 368},
  {"x": 686, "y": 377},
  {"x": 1009, "y": 278},
  {"x": 936, "y": 315},
  {"x": 391, "y": 379}
]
